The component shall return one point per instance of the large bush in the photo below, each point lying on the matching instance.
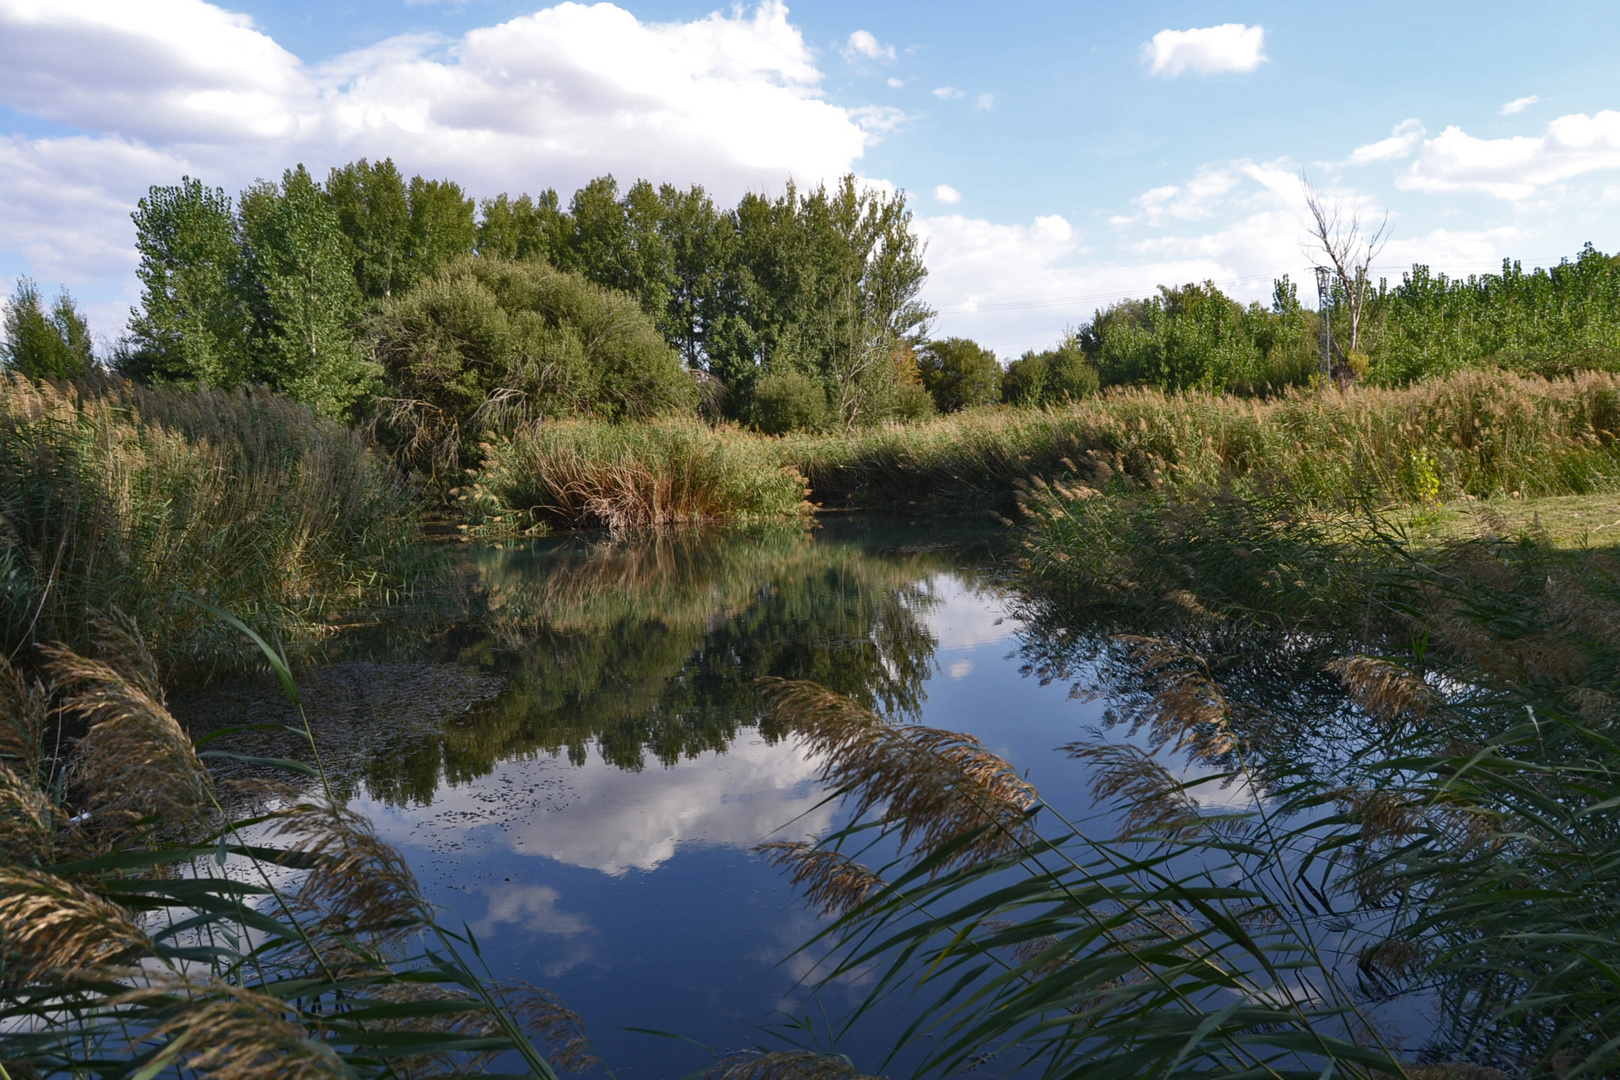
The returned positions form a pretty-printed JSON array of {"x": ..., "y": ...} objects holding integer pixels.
[
  {"x": 486, "y": 343},
  {"x": 959, "y": 374}
]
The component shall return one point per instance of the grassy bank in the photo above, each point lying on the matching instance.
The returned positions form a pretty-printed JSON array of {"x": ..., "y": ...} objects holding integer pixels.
[
  {"x": 114, "y": 497},
  {"x": 1483, "y": 434},
  {"x": 625, "y": 476}
]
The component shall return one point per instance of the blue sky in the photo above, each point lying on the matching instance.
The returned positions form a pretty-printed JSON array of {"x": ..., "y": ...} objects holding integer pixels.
[{"x": 1055, "y": 154}]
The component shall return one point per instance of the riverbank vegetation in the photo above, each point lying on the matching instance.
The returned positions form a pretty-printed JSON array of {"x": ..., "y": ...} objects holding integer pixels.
[
  {"x": 1411, "y": 739},
  {"x": 119, "y": 498}
]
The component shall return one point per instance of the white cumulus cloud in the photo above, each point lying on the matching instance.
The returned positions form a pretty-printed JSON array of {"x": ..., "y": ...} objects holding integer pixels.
[
  {"x": 1208, "y": 50},
  {"x": 946, "y": 93},
  {"x": 160, "y": 88},
  {"x": 986, "y": 101},
  {"x": 1403, "y": 139},
  {"x": 947, "y": 194},
  {"x": 1518, "y": 105},
  {"x": 1515, "y": 168},
  {"x": 863, "y": 46}
]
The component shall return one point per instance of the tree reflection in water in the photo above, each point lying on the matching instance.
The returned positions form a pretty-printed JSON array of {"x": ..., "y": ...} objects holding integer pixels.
[{"x": 637, "y": 650}]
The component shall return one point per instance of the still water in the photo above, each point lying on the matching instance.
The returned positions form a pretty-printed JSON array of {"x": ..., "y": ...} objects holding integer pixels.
[{"x": 568, "y": 747}]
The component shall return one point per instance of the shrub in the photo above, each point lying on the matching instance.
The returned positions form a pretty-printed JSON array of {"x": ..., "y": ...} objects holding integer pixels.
[
  {"x": 1052, "y": 377},
  {"x": 790, "y": 401},
  {"x": 488, "y": 343},
  {"x": 959, "y": 374},
  {"x": 624, "y": 476},
  {"x": 117, "y": 497}
]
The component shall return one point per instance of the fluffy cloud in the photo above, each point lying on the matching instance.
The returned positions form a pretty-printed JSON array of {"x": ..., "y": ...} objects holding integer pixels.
[
  {"x": 1518, "y": 105},
  {"x": 1209, "y": 50},
  {"x": 862, "y": 45},
  {"x": 1403, "y": 139},
  {"x": 986, "y": 101},
  {"x": 1515, "y": 168},
  {"x": 158, "y": 88},
  {"x": 947, "y": 194},
  {"x": 946, "y": 93}
]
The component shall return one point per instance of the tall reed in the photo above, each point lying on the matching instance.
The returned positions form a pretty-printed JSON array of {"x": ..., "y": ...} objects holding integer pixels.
[
  {"x": 1483, "y": 434},
  {"x": 625, "y": 476},
  {"x": 118, "y": 497},
  {"x": 156, "y": 922}
]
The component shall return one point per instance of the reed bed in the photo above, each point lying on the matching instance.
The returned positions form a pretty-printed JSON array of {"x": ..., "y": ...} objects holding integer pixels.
[
  {"x": 156, "y": 922},
  {"x": 1482, "y": 434},
  {"x": 1457, "y": 862},
  {"x": 118, "y": 497},
  {"x": 585, "y": 474}
]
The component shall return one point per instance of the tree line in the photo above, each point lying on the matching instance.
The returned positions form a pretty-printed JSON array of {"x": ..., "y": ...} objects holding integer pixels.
[{"x": 410, "y": 304}]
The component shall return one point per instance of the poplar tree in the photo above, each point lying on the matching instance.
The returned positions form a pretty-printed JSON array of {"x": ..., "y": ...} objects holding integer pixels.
[
  {"x": 375, "y": 215},
  {"x": 192, "y": 324},
  {"x": 304, "y": 295},
  {"x": 42, "y": 344}
]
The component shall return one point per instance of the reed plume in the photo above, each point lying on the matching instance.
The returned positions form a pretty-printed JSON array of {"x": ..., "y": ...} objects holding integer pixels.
[
  {"x": 1389, "y": 692},
  {"x": 934, "y": 786},
  {"x": 221, "y": 1031},
  {"x": 27, "y": 820},
  {"x": 1159, "y": 805},
  {"x": 358, "y": 882},
  {"x": 135, "y": 763},
  {"x": 831, "y": 880},
  {"x": 52, "y": 929},
  {"x": 542, "y": 1013}
]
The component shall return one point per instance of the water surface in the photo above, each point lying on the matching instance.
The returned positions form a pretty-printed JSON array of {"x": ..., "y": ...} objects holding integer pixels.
[{"x": 569, "y": 748}]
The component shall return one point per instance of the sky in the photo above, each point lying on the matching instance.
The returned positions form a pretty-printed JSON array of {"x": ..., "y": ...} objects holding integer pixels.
[{"x": 1056, "y": 156}]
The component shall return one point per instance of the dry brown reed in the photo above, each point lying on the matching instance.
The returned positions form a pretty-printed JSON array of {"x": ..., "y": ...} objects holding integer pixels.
[
  {"x": 115, "y": 496},
  {"x": 27, "y": 820},
  {"x": 934, "y": 786},
  {"x": 831, "y": 880},
  {"x": 544, "y": 1015},
  {"x": 135, "y": 763},
  {"x": 358, "y": 882},
  {"x": 221, "y": 1031},
  {"x": 1159, "y": 805},
  {"x": 53, "y": 929},
  {"x": 1389, "y": 692},
  {"x": 632, "y": 476},
  {"x": 1185, "y": 708},
  {"x": 783, "y": 1065}
]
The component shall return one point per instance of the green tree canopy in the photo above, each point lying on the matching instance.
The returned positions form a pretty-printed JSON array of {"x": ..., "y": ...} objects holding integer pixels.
[
  {"x": 43, "y": 344},
  {"x": 1050, "y": 377},
  {"x": 959, "y": 374},
  {"x": 192, "y": 324},
  {"x": 375, "y": 215},
  {"x": 304, "y": 295}
]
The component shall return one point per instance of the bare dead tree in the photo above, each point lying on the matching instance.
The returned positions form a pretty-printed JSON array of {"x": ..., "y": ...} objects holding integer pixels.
[{"x": 1338, "y": 242}]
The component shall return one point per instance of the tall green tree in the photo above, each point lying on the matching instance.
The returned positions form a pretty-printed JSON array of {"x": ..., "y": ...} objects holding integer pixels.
[
  {"x": 304, "y": 295},
  {"x": 443, "y": 225},
  {"x": 375, "y": 215},
  {"x": 192, "y": 324},
  {"x": 41, "y": 344},
  {"x": 523, "y": 228},
  {"x": 701, "y": 244}
]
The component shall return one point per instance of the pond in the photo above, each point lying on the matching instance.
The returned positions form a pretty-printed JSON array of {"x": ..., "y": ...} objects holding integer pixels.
[{"x": 569, "y": 749}]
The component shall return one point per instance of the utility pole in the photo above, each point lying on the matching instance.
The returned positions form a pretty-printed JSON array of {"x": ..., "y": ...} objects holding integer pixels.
[{"x": 1324, "y": 303}]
